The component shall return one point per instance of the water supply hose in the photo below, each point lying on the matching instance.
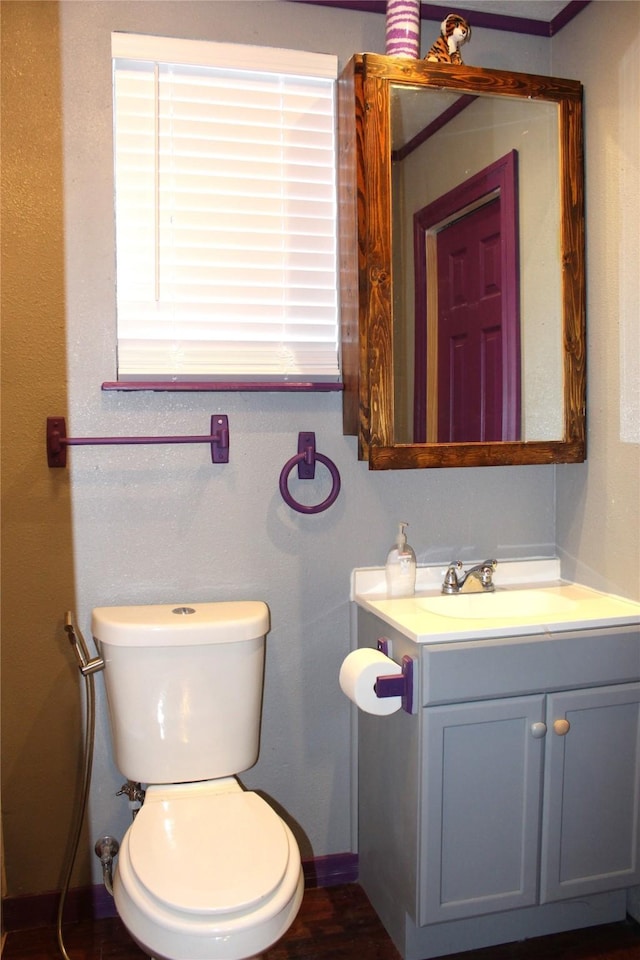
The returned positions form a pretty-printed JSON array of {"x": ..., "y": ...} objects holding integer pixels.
[{"x": 87, "y": 668}]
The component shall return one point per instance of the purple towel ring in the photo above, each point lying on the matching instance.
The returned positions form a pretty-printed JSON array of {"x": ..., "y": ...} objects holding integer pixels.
[{"x": 306, "y": 461}]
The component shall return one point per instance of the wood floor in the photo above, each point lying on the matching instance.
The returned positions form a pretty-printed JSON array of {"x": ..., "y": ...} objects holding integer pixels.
[{"x": 335, "y": 923}]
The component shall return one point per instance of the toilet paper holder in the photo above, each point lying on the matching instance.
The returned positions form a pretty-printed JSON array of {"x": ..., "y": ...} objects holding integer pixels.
[{"x": 397, "y": 684}]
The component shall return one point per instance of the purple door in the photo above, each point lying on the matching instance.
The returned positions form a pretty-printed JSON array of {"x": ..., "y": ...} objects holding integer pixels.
[{"x": 470, "y": 327}]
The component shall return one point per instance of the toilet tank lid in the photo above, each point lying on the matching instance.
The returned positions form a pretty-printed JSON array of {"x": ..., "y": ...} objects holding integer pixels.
[{"x": 180, "y": 624}]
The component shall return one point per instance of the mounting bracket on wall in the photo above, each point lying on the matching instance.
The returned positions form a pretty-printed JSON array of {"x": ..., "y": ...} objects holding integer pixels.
[{"x": 58, "y": 441}]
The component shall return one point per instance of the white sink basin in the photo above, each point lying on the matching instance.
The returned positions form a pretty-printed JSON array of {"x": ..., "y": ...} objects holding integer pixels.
[{"x": 499, "y": 605}]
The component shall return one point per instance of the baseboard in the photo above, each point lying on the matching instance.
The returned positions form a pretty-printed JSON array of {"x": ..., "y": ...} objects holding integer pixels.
[
  {"x": 86, "y": 903},
  {"x": 330, "y": 871}
]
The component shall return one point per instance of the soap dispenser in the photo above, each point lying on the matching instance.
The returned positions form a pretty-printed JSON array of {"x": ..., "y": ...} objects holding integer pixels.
[{"x": 400, "y": 569}]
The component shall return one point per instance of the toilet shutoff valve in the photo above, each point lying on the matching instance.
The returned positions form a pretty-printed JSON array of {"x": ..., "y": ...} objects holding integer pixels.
[
  {"x": 107, "y": 849},
  {"x": 133, "y": 791}
]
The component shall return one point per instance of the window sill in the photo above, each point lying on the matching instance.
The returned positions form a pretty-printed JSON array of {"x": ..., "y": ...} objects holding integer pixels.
[{"x": 221, "y": 386}]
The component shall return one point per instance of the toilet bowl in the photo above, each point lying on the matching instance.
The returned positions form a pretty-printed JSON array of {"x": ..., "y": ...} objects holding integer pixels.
[{"x": 207, "y": 871}]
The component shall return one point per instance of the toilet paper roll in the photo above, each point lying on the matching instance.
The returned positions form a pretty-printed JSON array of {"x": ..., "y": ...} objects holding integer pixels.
[{"x": 358, "y": 675}]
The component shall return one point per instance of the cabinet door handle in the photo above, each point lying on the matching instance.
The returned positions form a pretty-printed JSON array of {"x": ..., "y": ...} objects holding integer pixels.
[
  {"x": 538, "y": 730},
  {"x": 561, "y": 727}
]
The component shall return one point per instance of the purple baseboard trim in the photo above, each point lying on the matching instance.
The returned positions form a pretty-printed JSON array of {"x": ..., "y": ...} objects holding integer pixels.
[
  {"x": 330, "y": 871},
  {"x": 84, "y": 903}
]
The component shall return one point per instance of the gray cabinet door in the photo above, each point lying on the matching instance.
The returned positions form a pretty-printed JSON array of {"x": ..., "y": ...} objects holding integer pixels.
[
  {"x": 590, "y": 828},
  {"x": 481, "y": 778}
]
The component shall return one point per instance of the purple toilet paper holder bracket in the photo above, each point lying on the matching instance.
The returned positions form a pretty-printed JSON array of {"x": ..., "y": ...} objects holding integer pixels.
[{"x": 396, "y": 684}]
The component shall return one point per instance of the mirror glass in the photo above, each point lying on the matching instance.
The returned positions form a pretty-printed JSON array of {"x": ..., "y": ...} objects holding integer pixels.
[{"x": 476, "y": 267}]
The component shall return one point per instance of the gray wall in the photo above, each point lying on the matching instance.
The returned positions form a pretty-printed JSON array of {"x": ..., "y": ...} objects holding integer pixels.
[
  {"x": 156, "y": 524},
  {"x": 598, "y": 530}
]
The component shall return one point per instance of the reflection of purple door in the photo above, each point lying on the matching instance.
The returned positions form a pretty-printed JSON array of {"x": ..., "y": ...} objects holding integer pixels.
[
  {"x": 477, "y": 278},
  {"x": 470, "y": 327}
]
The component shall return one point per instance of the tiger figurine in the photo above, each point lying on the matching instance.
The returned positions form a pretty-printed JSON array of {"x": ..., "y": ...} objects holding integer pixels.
[{"x": 454, "y": 31}]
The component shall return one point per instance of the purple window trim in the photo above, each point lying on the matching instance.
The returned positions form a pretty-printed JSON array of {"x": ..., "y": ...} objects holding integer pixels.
[{"x": 221, "y": 386}]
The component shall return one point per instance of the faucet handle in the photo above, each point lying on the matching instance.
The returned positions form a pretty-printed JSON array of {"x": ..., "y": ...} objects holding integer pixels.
[
  {"x": 486, "y": 571},
  {"x": 451, "y": 584}
]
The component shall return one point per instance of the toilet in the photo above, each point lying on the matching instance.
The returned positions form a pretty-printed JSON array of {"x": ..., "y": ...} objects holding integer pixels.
[{"x": 207, "y": 870}]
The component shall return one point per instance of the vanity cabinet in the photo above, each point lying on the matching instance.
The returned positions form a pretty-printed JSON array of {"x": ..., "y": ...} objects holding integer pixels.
[
  {"x": 506, "y": 786},
  {"x": 485, "y": 816}
]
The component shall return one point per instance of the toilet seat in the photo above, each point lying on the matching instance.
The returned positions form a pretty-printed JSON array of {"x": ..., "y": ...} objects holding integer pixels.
[
  {"x": 209, "y": 871},
  {"x": 208, "y": 852}
]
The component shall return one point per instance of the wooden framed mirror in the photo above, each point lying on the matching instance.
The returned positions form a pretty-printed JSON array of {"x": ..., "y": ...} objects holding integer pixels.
[{"x": 461, "y": 195}]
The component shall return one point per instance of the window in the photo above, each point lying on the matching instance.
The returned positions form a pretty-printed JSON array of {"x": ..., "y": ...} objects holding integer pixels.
[{"x": 225, "y": 212}]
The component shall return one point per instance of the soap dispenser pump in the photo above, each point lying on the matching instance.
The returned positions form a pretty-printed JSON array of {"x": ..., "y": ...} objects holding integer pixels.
[{"x": 400, "y": 569}]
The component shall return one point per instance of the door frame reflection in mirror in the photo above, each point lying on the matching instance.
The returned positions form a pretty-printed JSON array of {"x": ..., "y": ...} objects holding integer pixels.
[
  {"x": 367, "y": 260},
  {"x": 498, "y": 181}
]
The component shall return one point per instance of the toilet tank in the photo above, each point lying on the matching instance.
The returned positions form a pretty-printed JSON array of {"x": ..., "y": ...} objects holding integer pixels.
[{"x": 184, "y": 687}]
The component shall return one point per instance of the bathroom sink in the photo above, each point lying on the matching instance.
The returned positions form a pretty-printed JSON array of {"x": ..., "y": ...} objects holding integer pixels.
[
  {"x": 499, "y": 605},
  {"x": 531, "y": 599}
]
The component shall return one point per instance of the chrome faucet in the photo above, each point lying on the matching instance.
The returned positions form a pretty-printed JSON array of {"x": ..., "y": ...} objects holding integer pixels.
[{"x": 478, "y": 579}]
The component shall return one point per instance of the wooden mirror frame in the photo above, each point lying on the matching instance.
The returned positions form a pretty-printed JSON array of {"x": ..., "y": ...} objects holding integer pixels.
[{"x": 366, "y": 261}]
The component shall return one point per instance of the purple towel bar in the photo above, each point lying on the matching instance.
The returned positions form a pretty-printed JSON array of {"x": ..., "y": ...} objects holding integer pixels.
[{"x": 58, "y": 441}]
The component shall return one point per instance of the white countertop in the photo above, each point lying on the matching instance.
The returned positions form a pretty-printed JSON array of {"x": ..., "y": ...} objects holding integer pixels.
[{"x": 566, "y": 606}]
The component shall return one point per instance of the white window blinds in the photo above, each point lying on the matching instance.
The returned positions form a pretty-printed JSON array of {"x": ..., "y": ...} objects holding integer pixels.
[{"x": 226, "y": 232}]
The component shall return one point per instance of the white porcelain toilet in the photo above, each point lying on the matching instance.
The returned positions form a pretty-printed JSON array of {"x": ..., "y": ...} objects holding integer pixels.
[{"x": 207, "y": 870}]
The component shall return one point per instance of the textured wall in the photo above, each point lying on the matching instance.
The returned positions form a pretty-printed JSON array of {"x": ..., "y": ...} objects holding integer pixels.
[
  {"x": 152, "y": 524},
  {"x": 599, "y": 501},
  {"x": 41, "y": 719}
]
